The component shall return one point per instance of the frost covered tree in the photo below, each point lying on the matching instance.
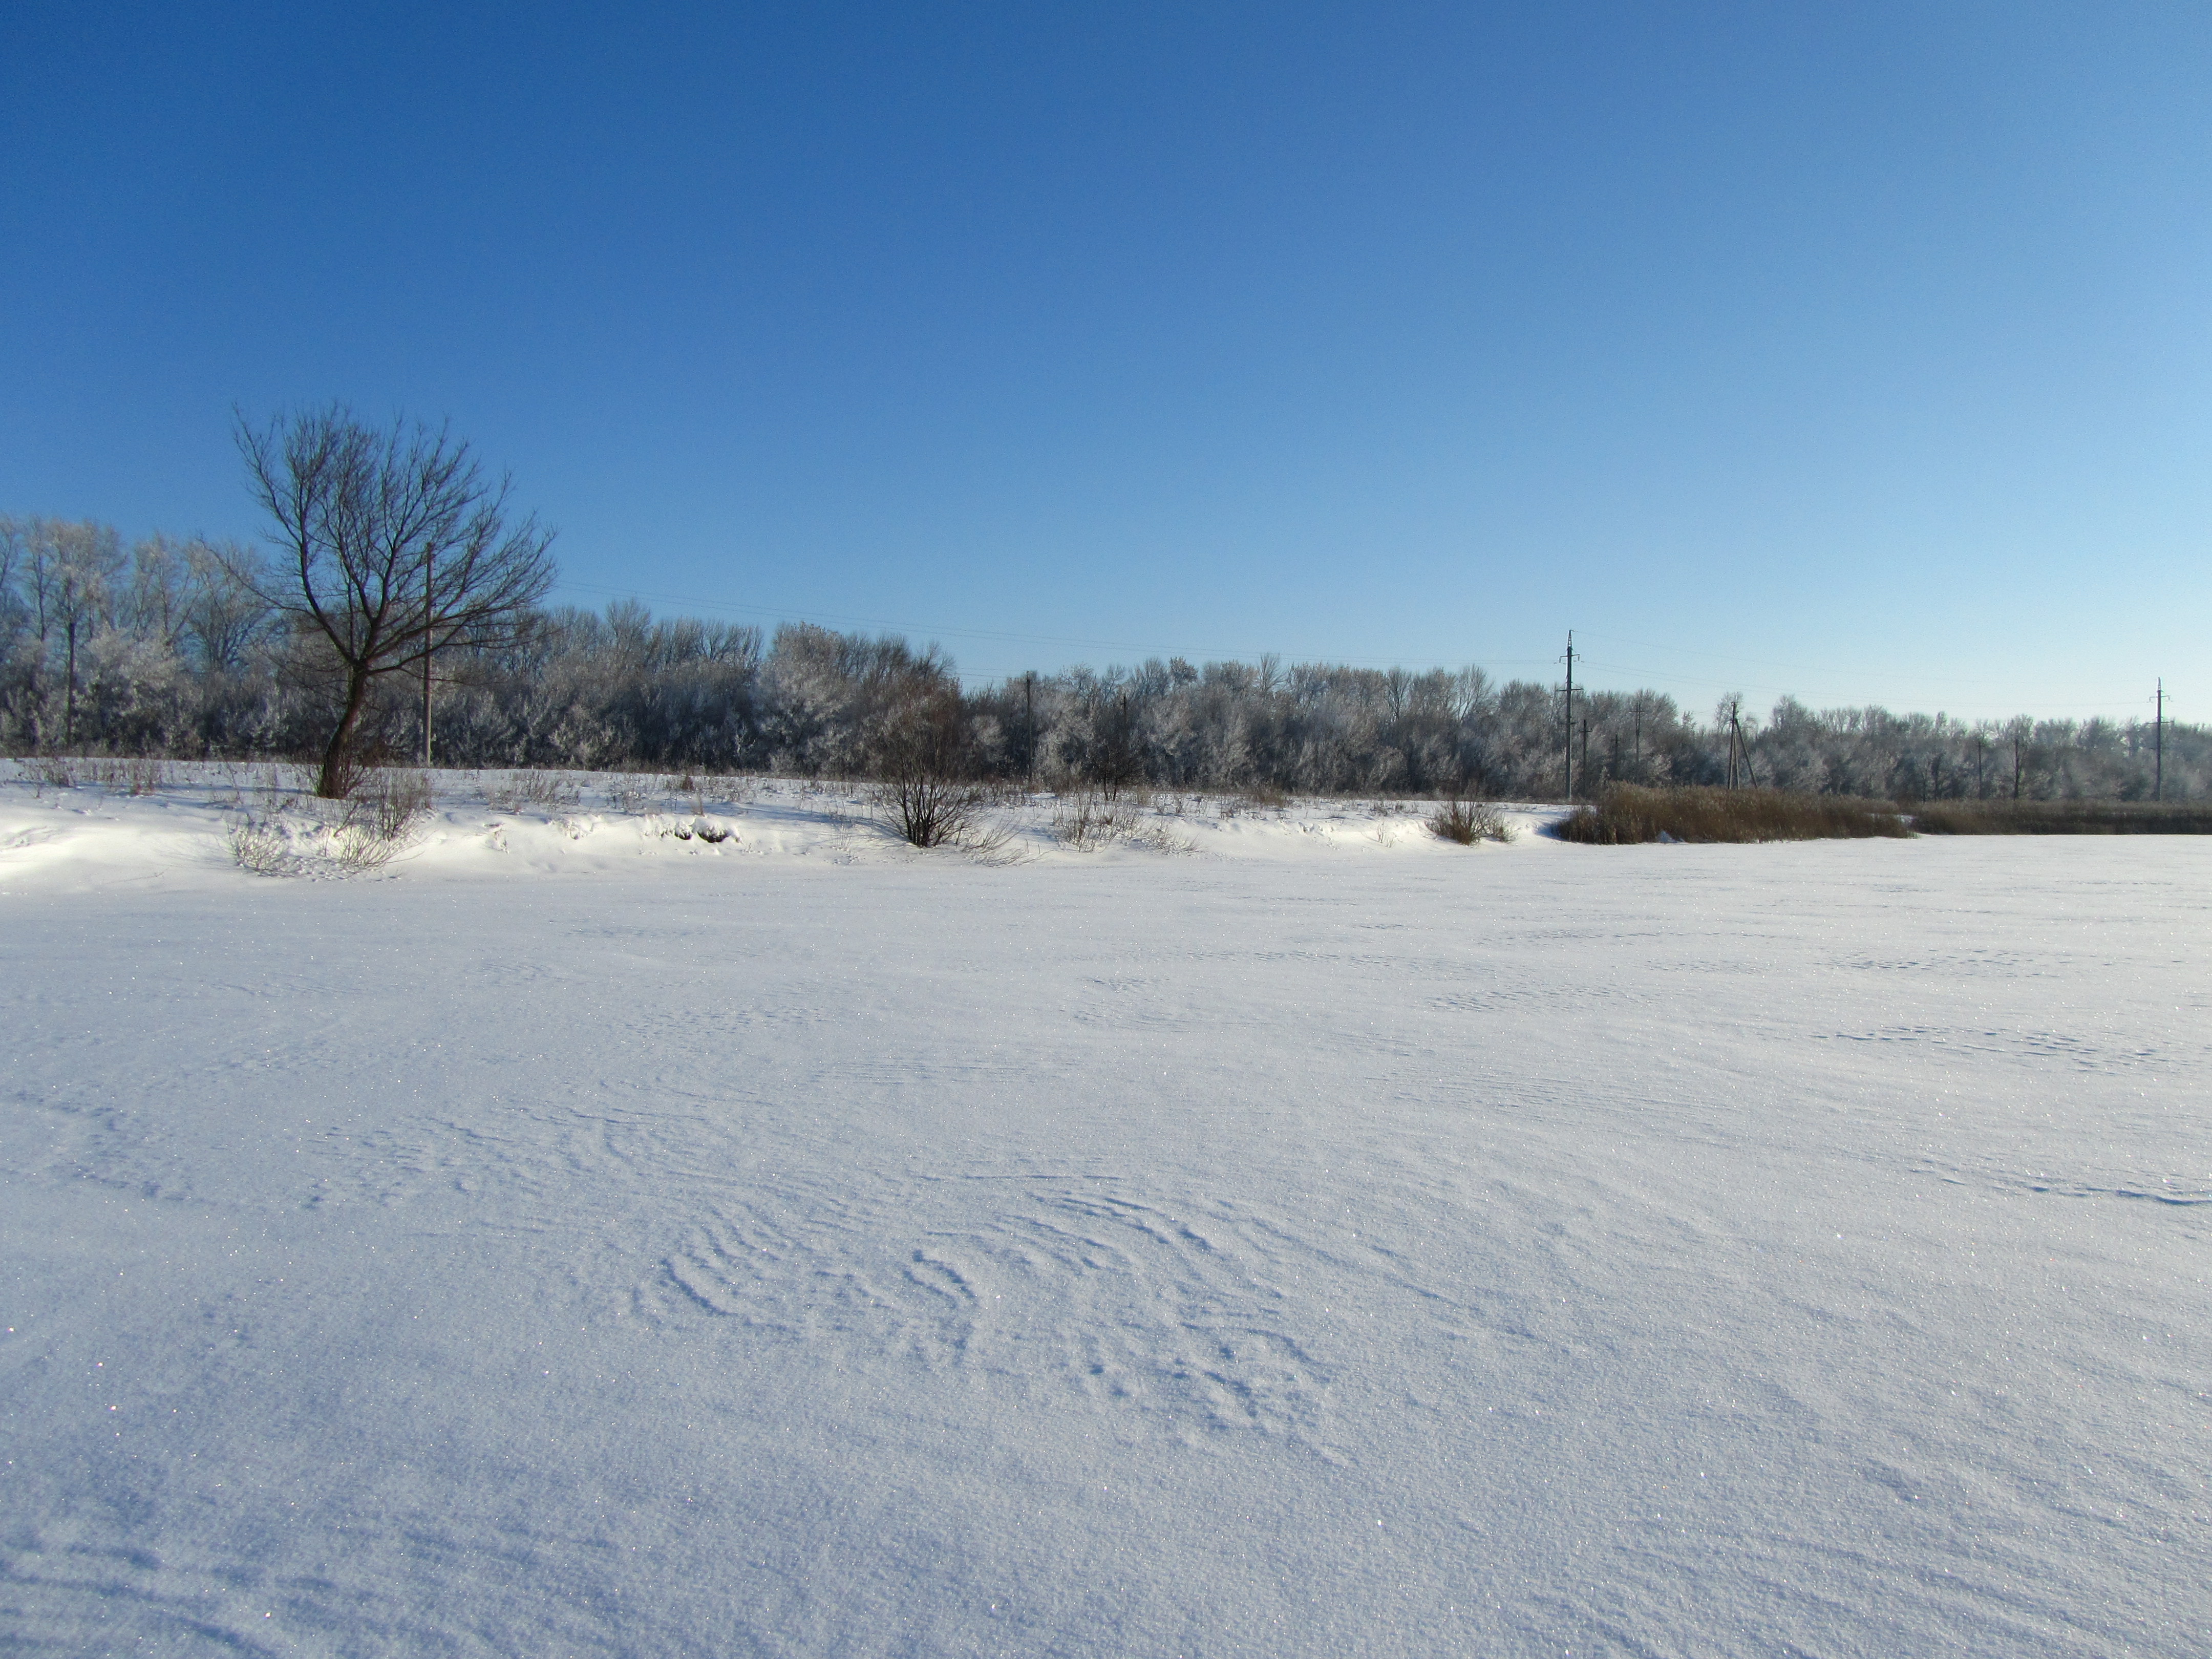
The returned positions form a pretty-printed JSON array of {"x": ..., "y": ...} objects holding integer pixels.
[{"x": 73, "y": 567}]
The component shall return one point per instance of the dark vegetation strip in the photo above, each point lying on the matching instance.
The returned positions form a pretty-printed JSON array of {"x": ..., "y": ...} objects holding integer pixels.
[
  {"x": 2062, "y": 818},
  {"x": 1625, "y": 814}
]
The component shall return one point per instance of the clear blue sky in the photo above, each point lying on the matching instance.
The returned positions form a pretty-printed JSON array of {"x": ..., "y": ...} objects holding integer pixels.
[{"x": 1858, "y": 351}]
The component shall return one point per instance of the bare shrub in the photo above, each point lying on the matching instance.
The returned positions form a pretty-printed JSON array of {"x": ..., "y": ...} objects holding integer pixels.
[
  {"x": 1625, "y": 814},
  {"x": 1092, "y": 818},
  {"x": 927, "y": 795},
  {"x": 262, "y": 847},
  {"x": 50, "y": 772},
  {"x": 928, "y": 811},
  {"x": 224, "y": 789},
  {"x": 132, "y": 775},
  {"x": 633, "y": 793},
  {"x": 387, "y": 805},
  {"x": 1467, "y": 821},
  {"x": 317, "y": 835},
  {"x": 532, "y": 791},
  {"x": 145, "y": 777}
]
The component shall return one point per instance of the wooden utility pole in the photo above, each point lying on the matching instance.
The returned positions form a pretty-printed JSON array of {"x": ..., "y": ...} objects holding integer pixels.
[
  {"x": 429, "y": 566},
  {"x": 1570, "y": 744},
  {"x": 2158, "y": 789},
  {"x": 1028, "y": 723}
]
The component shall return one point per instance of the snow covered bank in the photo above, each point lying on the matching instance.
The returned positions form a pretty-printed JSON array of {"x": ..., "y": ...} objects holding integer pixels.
[
  {"x": 519, "y": 824},
  {"x": 1342, "y": 1242}
]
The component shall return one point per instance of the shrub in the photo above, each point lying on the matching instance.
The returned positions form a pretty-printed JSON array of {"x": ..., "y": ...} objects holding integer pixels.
[
  {"x": 134, "y": 777},
  {"x": 1467, "y": 821},
  {"x": 349, "y": 838},
  {"x": 50, "y": 772},
  {"x": 1092, "y": 818},
  {"x": 261, "y": 846},
  {"x": 634, "y": 791},
  {"x": 1625, "y": 814},
  {"x": 544, "y": 792},
  {"x": 927, "y": 811},
  {"x": 385, "y": 805}
]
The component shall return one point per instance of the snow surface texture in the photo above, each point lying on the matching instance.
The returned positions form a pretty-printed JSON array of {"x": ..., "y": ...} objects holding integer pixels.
[{"x": 573, "y": 1240}]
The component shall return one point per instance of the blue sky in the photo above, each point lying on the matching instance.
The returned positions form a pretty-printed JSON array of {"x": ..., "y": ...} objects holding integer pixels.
[{"x": 1859, "y": 352}]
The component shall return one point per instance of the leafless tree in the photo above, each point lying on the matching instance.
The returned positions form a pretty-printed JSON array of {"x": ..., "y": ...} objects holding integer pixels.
[
  {"x": 73, "y": 567},
  {"x": 224, "y": 618},
  {"x": 391, "y": 545}
]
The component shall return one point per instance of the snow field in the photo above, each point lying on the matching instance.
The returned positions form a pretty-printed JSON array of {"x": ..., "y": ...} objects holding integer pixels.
[{"x": 1330, "y": 1241}]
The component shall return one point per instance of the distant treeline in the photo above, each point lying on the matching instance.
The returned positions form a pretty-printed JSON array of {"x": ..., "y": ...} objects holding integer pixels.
[{"x": 160, "y": 649}]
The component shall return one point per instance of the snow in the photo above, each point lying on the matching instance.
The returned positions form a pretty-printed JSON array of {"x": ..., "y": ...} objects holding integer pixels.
[{"x": 1321, "y": 1240}]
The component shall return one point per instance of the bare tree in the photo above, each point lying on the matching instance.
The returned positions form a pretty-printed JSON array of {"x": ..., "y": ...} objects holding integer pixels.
[
  {"x": 391, "y": 546},
  {"x": 73, "y": 567},
  {"x": 224, "y": 618},
  {"x": 14, "y": 550}
]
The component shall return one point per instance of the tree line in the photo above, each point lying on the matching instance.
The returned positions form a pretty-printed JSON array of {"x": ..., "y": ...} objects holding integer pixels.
[
  {"x": 163, "y": 647},
  {"x": 396, "y": 612}
]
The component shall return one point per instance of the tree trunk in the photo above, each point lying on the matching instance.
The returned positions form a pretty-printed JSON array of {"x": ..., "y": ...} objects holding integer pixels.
[{"x": 336, "y": 781}]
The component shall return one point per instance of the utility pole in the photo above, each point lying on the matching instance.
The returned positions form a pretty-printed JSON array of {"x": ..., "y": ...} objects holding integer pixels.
[
  {"x": 2158, "y": 789},
  {"x": 1570, "y": 714},
  {"x": 427, "y": 569},
  {"x": 1028, "y": 723}
]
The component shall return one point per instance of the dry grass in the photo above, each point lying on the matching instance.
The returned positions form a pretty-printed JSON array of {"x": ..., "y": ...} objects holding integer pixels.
[
  {"x": 49, "y": 772},
  {"x": 633, "y": 793},
  {"x": 1089, "y": 819},
  {"x": 131, "y": 776},
  {"x": 532, "y": 791},
  {"x": 2062, "y": 818},
  {"x": 1625, "y": 814},
  {"x": 1092, "y": 819}
]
